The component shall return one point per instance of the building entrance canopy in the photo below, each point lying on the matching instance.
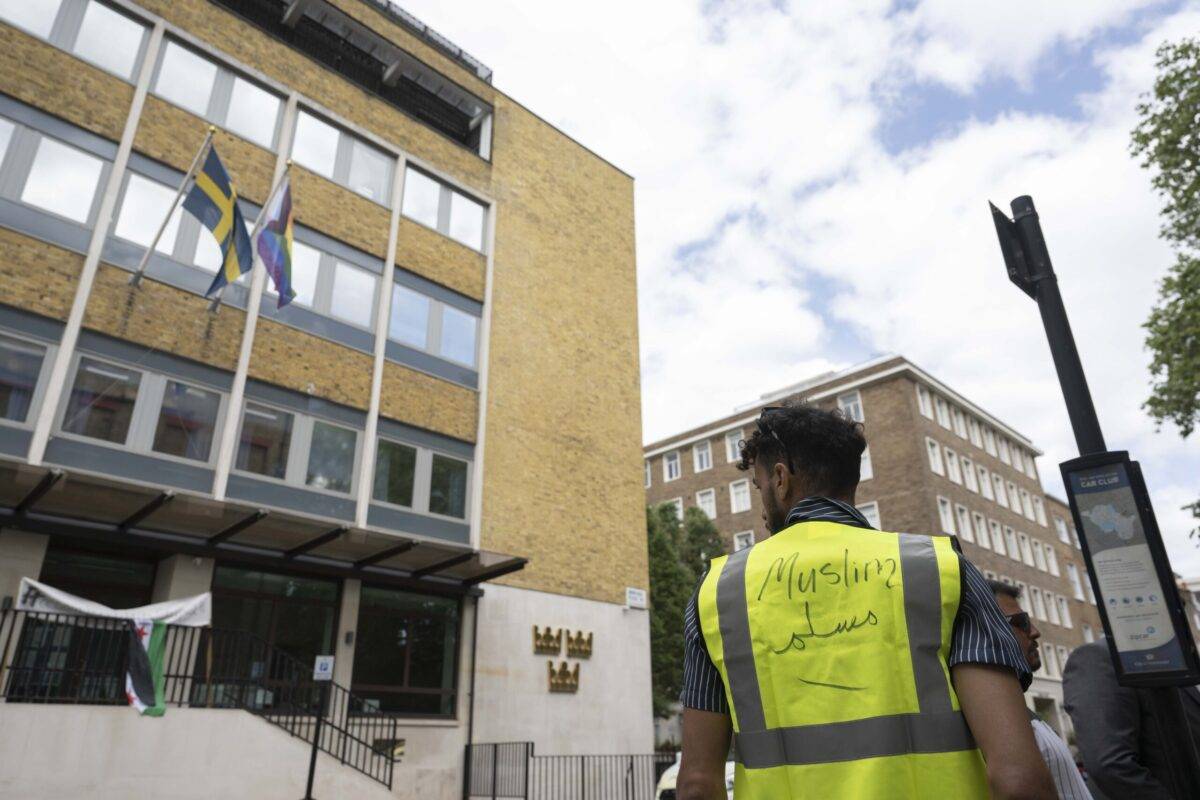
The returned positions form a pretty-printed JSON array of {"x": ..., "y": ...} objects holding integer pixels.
[{"x": 83, "y": 505}]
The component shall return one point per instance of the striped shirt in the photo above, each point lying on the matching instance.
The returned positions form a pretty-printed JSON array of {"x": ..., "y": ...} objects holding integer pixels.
[
  {"x": 982, "y": 634},
  {"x": 1066, "y": 775}
]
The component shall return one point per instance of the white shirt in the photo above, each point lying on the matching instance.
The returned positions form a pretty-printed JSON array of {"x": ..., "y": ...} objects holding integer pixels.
[{"x": 1066, "y": 775}]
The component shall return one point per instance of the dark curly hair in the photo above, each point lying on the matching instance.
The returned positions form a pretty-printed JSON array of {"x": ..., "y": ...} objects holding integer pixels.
[{"x": 824, "y": 447}]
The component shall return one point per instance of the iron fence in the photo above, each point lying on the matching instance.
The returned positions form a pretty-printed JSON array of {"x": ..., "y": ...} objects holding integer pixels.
[
  {"x": 60, "y": 658},
  {"x": 508, "y": 770}
]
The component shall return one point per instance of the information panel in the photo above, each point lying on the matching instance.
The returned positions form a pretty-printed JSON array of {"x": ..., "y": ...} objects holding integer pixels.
[{"x": 1130, "y": 572}]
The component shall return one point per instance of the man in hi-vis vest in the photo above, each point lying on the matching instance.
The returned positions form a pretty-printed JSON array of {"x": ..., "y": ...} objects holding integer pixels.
[{"x": 845, "y": 661}]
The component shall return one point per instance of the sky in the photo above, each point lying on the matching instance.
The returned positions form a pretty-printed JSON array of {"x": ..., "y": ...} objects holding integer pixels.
[{"x": 812, "y": 183}]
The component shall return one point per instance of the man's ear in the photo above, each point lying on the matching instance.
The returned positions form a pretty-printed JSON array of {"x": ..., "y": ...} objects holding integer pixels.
[{"x": 781, "y": 482}]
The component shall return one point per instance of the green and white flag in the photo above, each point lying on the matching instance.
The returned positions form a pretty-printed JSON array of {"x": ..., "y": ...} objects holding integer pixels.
[{"x": 144, "y": 681}]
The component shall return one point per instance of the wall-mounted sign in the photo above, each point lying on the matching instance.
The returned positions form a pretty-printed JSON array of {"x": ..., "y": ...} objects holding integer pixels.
[
  {"x": 323, "y": 668},
  {"x": 635, "y": 598},
  {"x": 1149, "y": 638}
]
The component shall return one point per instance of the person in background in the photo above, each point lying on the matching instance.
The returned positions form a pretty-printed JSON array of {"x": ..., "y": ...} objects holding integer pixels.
[
  {"x": 845, "y": 661},
  {"x": 1118, "y": 739},
  {"x": 1058, "y": 758}
]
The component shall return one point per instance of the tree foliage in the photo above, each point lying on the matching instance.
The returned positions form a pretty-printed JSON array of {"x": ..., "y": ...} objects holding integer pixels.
[
  {"x": 701, "y": 541},
  {"x": 670, "y": 587},
  {"x": 1167, "y": 141}
]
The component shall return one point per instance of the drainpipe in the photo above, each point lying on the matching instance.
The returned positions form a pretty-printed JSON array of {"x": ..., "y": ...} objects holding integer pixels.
[{"x": 471, "y": 703}]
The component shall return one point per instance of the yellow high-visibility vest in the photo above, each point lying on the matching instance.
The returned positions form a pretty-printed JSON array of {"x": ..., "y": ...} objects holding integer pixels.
[{"x": 833, "y": 643}]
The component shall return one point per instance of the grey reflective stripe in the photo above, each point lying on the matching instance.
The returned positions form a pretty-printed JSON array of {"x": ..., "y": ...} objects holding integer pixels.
[
  {"x": 923, "y": 615},
  {"x": 734, "y": 622},
  {"x": 899, "y": 734}
]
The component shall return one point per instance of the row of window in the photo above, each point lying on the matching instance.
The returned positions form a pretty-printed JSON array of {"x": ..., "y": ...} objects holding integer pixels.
[
  {"x": 55, "y": 177},
  {"x": 194, "y": 82},
  {"x": 706, "y": 500},
  {"x": 744, "y": 539},
  {"x": 148, "y": 413},
  {"x": 977, "y": 478},
  {"x": 1041, "y": 603},
  {"x": 957, "y": 520},
  {"x": 1066, "y": 534},
  {"x": 951, "y": 417}
]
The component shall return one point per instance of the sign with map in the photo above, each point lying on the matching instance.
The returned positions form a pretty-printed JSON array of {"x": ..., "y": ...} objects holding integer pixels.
[{"x": 1122, "y": 544}]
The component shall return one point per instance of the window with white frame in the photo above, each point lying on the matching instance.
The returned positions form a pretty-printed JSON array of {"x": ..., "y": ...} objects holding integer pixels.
[
  {"x": 969, "y": 476},
  {"x": 1039, "y": 511},
  {"x": 1014, "y": 498},
  {"x": 437, "y": 205},
  {"x": 343, "y": 158},
  {"x": 1010, "y": 541},
  {"x": 943, "y": 411},
  {"x": 865, "y": 470},
  {"x": 743, "y": 540},
  {"x": 870, "y": 512},
  {"x": 1001, "y": 494},
  {"x": 671, "y": 466},
  {"x": 676, "y": 504},
  {"x": 976, "y": 435},
  {"x": 1089, "y": 635},
  {"x": 997, "y": 537},
  {"x": 1039, "y": 555},
  {"x": 1023, "y": 598},
  {"x": 733, "y": 451},
  {"x": 91, "y": 30},
  {"x": 924, "y": 402},
  {"x": 985, "y": 482},
  {"x": 21, "y": 365},
  {"x": 964, "y": 523},
  {"x": 301, "y": 450},
  {"x": 62, "y": 179},
  {"x": 935, "y": 456},
  {"x": 952, "y": 467},
  {"x": 436, "y": 327},
  {"x": 739, "y": 496},
  {"x": 1075, "y": 539},
  {"x": 851, "y": 405},
  {"x": 1049, "y": 658},
  {"x": 989, "y": 441},
  {"x": 1005, "y": 456},
  {"x": 707, "y": 502},
  {"x": 36, "y": 18},
  {"x": 648, "y": 470},
  {"x": 1030, "y": 466},
  {"x": 1064, "y": 609},
  {"x": 1026, "y": 549},
  {"x": 946, "y": 514},
  {"x": 1076, "y": 583},
  {"x": 981, "y": 531},
  {"x": 1051, "y": 559},
  {"x": 960, "y": 422},
  {"x": 1039, "y": 604},
  {"x": 701, "y": 456},
  {"x": 1063, "y": 655},
  {"x": 1027, "y": 505},
  {"x": 1052, "y": 608},
  {"x": 1060, "y": 527}
]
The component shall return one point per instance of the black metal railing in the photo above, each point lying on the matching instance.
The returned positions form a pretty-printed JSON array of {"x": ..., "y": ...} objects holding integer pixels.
[
  {"x": 508, "y": 770},
  {"x": 59, "y": 658}
]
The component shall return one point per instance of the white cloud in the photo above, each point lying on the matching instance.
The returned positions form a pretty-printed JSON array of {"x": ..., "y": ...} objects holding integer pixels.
[{"x": 754, "y": 128}]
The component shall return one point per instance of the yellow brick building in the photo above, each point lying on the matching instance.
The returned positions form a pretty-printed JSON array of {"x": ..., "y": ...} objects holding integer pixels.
[{"x": 378, "y": 471}]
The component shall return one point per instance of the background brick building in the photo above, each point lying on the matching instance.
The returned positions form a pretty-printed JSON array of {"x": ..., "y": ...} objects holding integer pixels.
[{"x": 935, "y": 462}]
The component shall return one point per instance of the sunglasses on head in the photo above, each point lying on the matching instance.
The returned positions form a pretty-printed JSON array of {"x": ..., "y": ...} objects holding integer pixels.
[
  {"x": 1020, "y": 621},
  {"x": 764, "y": 425}
]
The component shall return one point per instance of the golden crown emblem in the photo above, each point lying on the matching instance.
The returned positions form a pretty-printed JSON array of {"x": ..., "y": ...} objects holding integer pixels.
[
  {"x": 548, "y": 642},
  {"x": 563, "y": 679},
  {"x": 578, "y": 646}
]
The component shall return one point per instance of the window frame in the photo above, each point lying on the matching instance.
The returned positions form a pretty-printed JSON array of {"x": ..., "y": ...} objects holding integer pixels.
[
  {"x": 942, "y": 411},
  {"x": 422, "y": 477},
  {"x": 733, "y": 449},
  {"x": 737, "y": 537},
  {"x": 963, "y": 518},
  {"x": 953, "y": 468},
  {"x": 734, "y": 488},
  {"x": 970, "y": 477},
  {"x": 932, "y": 446},
  {"x": 974, "y": 433},
  {"x": 666, "y": 466},
  {"x": 979, "y": 522},
  {"x": 696, "y": 450},
  {"x": 711, "y": 494},
  {"x": 649, "y": 474},
  {"x": 445, "y": 202},
  {"x": 985, "y": 482},
  {"x": 17, "y": 166},
  {"x": 924, "y": 402},
  {"x": 295, "y": 472},
  {"x": 866, "y": 470},
  {"x": 1039, "y": 511},
  {"x": 65, "y": 28},
  {"x": 1027, "y": 505},
  {"x": 38, "y": 395},
  {"x": 851, "y": 402},
  {"x": 946, "y": 515},
  {"x": 989, "y": 441},
  {"x": 959, "y": 421},
  {"x": 1001, "y": 491},
  {"x": 873, "y": 505}
]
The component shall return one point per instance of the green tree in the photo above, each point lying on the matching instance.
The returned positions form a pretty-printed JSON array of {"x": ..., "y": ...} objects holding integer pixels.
[
  {"x": 670, "y": 588},
  {"x": 701, "y": 541},
  {"x": 1167, "y": 141}
]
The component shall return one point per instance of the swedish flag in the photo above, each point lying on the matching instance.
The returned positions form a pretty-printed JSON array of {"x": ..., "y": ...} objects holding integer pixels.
[{"x": 213, "y": 201}]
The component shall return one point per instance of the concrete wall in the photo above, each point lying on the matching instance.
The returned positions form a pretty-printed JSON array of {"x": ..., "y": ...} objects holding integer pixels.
[{"x": 610, "y": 714}]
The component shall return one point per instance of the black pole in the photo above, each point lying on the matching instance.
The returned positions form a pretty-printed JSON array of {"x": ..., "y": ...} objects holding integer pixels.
[
  {"x": 312, "y": 759},
  {"x": 467, "y": 752},
  {"x": 1028, "y": 261}
]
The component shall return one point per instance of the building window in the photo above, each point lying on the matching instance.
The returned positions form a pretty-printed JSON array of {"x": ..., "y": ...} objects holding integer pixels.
[
  {"x": 707, "y": 501},
  {"x": 1027, "y": 505},
  {"x": 331, "y": 457},
  {"x": 1064, "y": 610},
  {"x": 1001, "y": 495},
  {"x": 997, "y": 537},
  {"x": 200, "y": 86},
  {"x": 144, "y": 205},
  {"x": 870, "y": 512},
  {"x": 851, "y": 405},
  {"x": 1005, "y": 456},
  {"x": 677, "y": 505},
  {"x": 743, "y": 540},
  {"x": 20, "y": 369},
  {"x": 448, "y": 487},
  {"x": 968, "y": 471},
  {"x": 935, "y": 456},
  {"x": 186, "y": 79},
  {"x": 1039, "y": 511},
  {"x": 254, "y": 113},
  {"x": 981, "y": 531},
  {"x": 1010, "y": 541},
  {"x": 1039, "y": 556},
  {"x": 964, "y": 523},
  {"x": 648, "y": 475},
  {"x": 1014, "y": 498},
  {"x": 989, "y": 441},
  {"x": 101, "y": 402},
  {"x": 952, "y": 469},
  {"x": 406, "y": 656},
  {"x": 353, "y": 296},
  {"x": 1087, "y": 586},
  {"x": 265, "y": 441},
  {"x": 985, "y": 482},
  {"x": 109, "y": 39},
  {"x": 1039, "y": 605},
  {"x": 409, "y": 323},
  {"x": 1031, "y": 466},
  {"x": 1050, "y": 657},
  {"x": 946, "y": 514},
  {"x": 924, "y": 402},
  {"x": 1051, "y": 559},
  {"x": 943, "y": 411},
  {"x": 187, "y": 422},
  {"x": 343, "y": 158},
  {"x": 973, "y": 431},
  {"x": 865, "y": 470},
  {"x": 445, "y": 209},
  {"x": 1060, "y": 527},
  {"x": 1089, "y": 635},
  {"x": 1076, "y": 583},
  {"x": 671, "y": 466},
  {"x": 701, "y": 457},
  {"x": 960, "y": 422},
  {"x": 37, "y": 18},
  {"x": 395, "y": 473},
  {"x": 739, "y": 496},
  {"x": 1023, "y": 599},
  {"x": 1052, "y": 608},
  {"x": 62, "y": 180},
  {"x": 435, "y": 327},
  {"x": 733, "y": 446}
]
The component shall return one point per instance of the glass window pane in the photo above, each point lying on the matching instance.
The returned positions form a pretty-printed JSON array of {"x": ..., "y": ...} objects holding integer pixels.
[
  {"x": 109, "y": 40},
  {"x": 142, "y": 211},
  {"x": 208, "y": 252},
  {"x": 252, "y": 112},
  {"x": 306, "y": 263},
  {"x": 20, "y": 365},
  {"x": 458, "y": 335},
  {"x": 353, "y": 295},
  {"x": 421, "y": 197},
  {"x": 185, "y": 79},
  {"x": 266, "y": 438},
  {"x": 370, "y": 172},
  {"x": 331, "y": 457},
  {"x": 101, "y": 402},
  {"x": 36, "y": 17},
  {"x": 63, "y": 180},
  {"x": 410, "y": 317},
  {"x": 448, "y": 487},
  {"x": 187, "y": 421},
  {"x": 395, "y": 470},
  {"x": 466, "y": 221},
  {"x": 6, "y": 132},
  {"x": 315, "y": 144}
]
